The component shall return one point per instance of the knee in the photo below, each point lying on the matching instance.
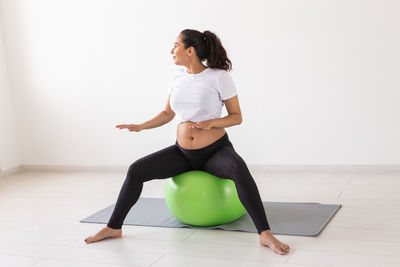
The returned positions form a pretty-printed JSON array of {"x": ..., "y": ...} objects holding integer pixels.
[
  {"x": 134, "y": 170},
  {"x": 240, "y": 173}
]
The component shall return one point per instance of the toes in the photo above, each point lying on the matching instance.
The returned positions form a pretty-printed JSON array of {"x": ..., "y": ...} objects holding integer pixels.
[
  {"x": 90, "y": 239},
  {"x": 281, "y": 251},
  {"x": 285, "y": 247},
  {"x": 278, "y": 250}
]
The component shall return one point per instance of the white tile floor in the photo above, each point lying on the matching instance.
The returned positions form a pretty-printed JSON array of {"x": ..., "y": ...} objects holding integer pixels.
[{"x": 40, "y": 213}]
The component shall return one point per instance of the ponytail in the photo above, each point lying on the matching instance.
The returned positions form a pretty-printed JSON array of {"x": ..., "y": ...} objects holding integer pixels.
[{"x": 208, "y": 47}]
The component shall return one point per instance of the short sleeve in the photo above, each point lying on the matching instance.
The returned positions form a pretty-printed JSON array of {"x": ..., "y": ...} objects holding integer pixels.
[{"x": 226, "y": 85}]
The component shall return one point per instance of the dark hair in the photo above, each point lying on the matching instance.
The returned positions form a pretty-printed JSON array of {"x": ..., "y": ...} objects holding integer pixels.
[{"x": 208, "y": 47}]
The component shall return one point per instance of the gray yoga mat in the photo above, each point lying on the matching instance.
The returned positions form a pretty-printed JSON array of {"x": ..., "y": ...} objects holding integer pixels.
[{"x": 285, "y": 218}]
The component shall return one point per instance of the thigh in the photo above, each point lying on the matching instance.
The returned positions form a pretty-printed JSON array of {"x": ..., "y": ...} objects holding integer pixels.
[
  {"x": 161, "y": 164},
  {"x": 226, "y": 163}
]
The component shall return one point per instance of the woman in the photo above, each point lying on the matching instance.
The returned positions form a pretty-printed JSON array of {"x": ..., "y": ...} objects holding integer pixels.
[{"x": 197, "y": 95}]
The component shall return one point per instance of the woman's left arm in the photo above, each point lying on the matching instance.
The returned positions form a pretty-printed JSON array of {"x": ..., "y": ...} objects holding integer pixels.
[{"x": 234, "y": 116}]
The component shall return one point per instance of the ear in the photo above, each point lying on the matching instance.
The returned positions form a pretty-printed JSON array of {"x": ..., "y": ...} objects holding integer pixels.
[{"x": 190, "y": 50}]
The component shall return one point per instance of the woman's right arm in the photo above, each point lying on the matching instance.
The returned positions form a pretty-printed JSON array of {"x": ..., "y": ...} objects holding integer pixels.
[{"x": 162, "y": 118}]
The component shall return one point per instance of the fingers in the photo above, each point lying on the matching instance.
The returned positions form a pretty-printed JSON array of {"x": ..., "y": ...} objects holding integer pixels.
[
  {"x": 122, "y": 126},
  {"x": 194, "y": 126},
  {"x": 200, "y": 127}
]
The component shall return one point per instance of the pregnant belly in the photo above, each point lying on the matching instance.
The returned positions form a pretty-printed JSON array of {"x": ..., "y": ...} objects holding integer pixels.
[{"x": 194, "y": 138}]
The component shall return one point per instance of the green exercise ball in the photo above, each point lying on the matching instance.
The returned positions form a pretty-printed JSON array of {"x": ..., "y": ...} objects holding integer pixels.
[{"x": 201, "y": 199}]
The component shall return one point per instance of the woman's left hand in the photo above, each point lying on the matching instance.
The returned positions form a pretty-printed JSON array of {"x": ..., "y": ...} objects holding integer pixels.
[{"x": 205, "y": 125}]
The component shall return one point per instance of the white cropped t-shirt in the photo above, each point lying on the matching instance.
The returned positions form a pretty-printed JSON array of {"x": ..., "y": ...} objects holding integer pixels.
[{"x": 199, "y": 97}]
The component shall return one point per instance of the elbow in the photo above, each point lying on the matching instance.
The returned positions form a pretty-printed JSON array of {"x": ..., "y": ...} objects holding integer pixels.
[
  {"x": 239, "y": 120},
  {"x": 170, "y": 115},
  {"x": 236, "y": 118}
]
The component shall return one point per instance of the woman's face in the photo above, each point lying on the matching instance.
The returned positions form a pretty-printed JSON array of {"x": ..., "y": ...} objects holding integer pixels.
[{"x": 179, "y": 52}]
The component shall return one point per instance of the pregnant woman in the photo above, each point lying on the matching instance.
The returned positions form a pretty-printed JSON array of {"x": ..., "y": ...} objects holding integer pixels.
[{"x": 197, "y": 94}]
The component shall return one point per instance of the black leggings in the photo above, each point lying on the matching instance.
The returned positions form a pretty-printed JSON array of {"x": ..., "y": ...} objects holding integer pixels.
[{"x": 219, "y": 159}]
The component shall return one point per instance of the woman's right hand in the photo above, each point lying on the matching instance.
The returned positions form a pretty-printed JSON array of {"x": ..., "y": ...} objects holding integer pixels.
[{"x": 130, "y": 127}]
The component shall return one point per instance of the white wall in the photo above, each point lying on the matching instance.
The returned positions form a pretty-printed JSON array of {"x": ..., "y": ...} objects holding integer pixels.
[
  {"x": 9, "y": 150},
  {"x": 317, "y": 80}
]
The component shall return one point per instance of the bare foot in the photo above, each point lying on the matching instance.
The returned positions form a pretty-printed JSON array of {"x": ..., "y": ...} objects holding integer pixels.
[
  {"x": 268, "y": 240},
  {"x": 104, "y": 233}
]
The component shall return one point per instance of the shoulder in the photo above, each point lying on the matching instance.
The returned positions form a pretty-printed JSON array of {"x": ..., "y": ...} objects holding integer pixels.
[
  {"x": 220, "y": 74},
  {"x": 217, "y": 71}
]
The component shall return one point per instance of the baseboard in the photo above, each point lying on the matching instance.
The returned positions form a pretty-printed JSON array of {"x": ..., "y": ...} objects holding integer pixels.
[
  {"x": 69, "y": 168},
  {"x": 350, "y": 169},
  {"x": 13, "y": 171},
  {"x": 268, "y": 169}
]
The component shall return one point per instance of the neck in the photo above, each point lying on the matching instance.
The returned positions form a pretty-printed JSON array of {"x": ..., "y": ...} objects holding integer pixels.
[{"x": 194, "y": 68}]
